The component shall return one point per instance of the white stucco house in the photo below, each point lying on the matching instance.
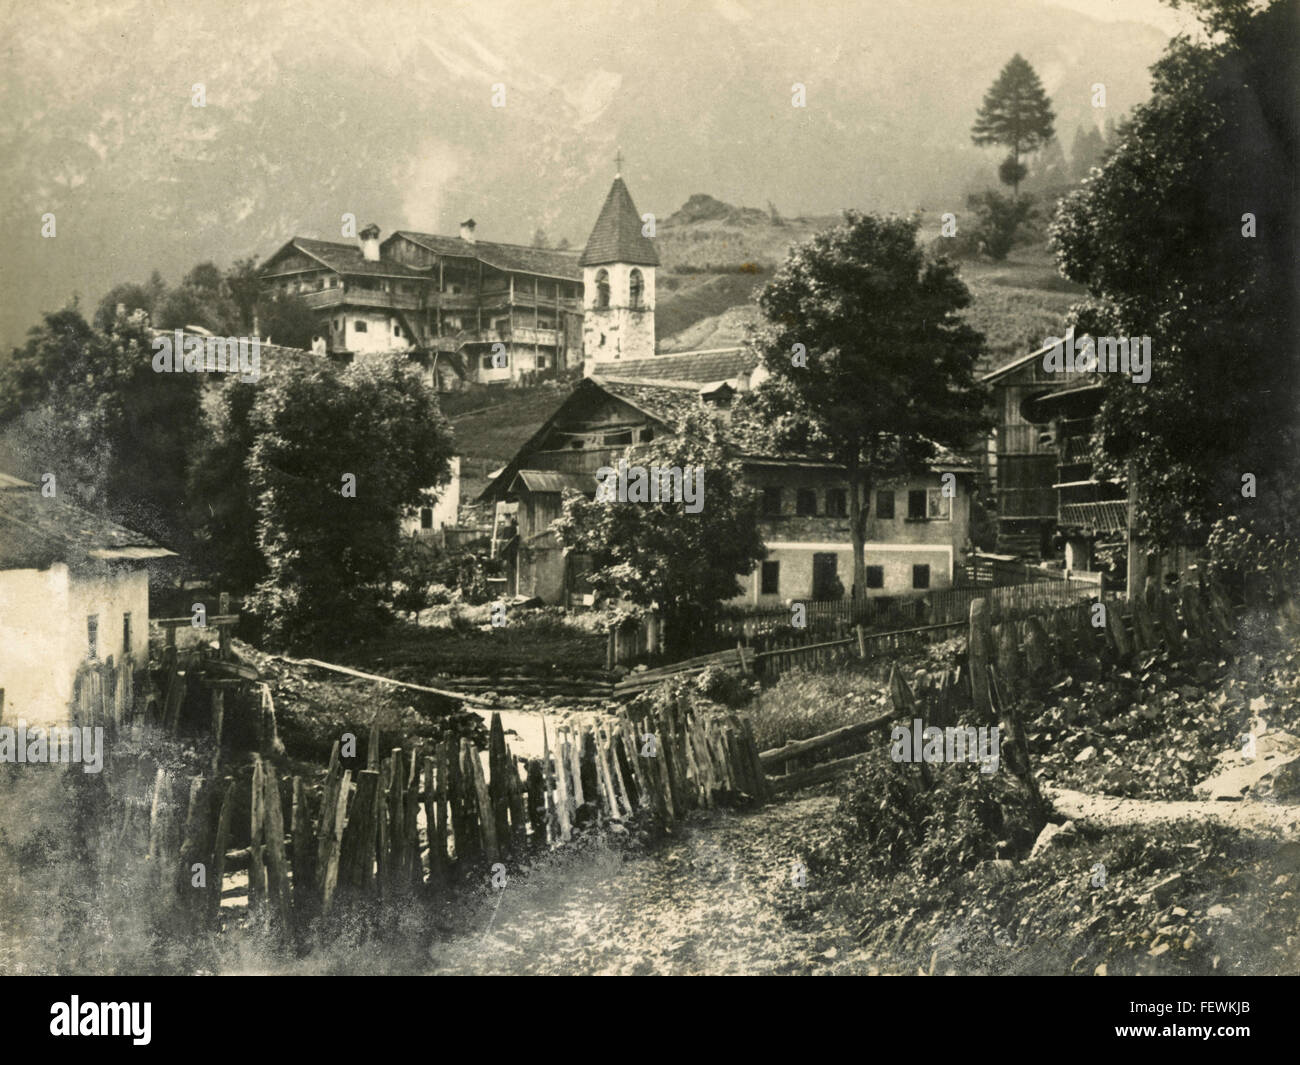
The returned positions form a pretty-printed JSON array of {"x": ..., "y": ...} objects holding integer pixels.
[{"x": 73, "y": 589}]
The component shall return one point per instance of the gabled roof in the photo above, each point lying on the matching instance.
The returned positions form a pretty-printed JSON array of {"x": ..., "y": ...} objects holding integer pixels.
[
  {"x": 616, "y": 237},
  {"x": 699, "y": 367},
  {"x": 551, "y": 481},
  {"x": 36, "y": 532},
  {"x": 342, "y": 259},
  {"x": 545, "y": 262},
  {"x": 668, "y": 405}
]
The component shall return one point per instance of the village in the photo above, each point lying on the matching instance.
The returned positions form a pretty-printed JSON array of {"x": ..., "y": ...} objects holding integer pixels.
[{"x": 727, "y": 594}]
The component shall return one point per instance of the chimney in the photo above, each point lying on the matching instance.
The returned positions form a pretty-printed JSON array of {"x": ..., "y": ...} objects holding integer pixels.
[
  {"x": 467, "y": 231},
  {"x": 370, "y": 243}
]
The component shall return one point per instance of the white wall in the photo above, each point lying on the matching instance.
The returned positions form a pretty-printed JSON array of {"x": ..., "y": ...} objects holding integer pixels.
[
  {"x": 43, "y": 632},
  {"x": 446, "y": 511}
]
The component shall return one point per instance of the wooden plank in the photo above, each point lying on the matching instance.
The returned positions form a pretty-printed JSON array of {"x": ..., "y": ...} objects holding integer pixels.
[
  {"x": 333, "y": 820},
  {"x": 303, "y": 855},
  {"x": 486, "y": 819},
  {"x": 980, "y": 652},
  {"x": 435, "y": 824},
  {"x": 325, "y": 830},
  {"x": 256, "y": 836},
  {"x": 318, "y": 664},
  {"x": 217, "y": 866},
  {"x": 277, "y": 866},
  {"x": 817, "y": 774},
  {"x": 357, "y": 851},
  {"x": 537, "y": 802},
  {"x": 498, "y": 786}
]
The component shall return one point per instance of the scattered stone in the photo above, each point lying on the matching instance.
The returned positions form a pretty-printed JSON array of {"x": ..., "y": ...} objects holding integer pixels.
[
  {"x": 1085, "y": 754},
  {"x": 1219, "y": 910},
  {"x": 1053, "y": 835},
  {"x": 1101, "y": 970},
  {"x": 1167, "y": 888}
]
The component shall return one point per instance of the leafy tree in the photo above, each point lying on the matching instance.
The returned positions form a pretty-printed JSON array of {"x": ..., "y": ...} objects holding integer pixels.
[
  {"x": 88, "y": 407},
  {"x": 540, "y": 239},
  {"x": 1016, "y": 114},
  {"x": 287, "y": 320},
  {"x": 997, "y": 219},
  {"x": 244, "y": 287},
  {"x": 205, "y": 277},
  {"x": 329, "y": 557},
  {"x": 1086, "y": 151},
  {"x": 889, "y": 362},
  {"x": 222, "y": 504},
  {"x": 132, "y": 296},
  {"x": 1162, "y": 241},
  {"x": 658, "y": 553}
]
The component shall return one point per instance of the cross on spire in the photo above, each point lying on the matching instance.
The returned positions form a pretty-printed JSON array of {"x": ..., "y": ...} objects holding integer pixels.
[{"x": 618, "y": 163}]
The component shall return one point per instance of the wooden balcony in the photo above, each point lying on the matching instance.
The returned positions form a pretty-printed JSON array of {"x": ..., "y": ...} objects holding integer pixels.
[{"x": 349, "y": 297}]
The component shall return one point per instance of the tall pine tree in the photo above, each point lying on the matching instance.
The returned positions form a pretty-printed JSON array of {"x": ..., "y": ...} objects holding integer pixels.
[{"x": 1017, "y": 114}]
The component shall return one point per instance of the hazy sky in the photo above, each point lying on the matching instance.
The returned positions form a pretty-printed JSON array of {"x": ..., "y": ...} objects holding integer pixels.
[{"x": 1150, "y": 11}]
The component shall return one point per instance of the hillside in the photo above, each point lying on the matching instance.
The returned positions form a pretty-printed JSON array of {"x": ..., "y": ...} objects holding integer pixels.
[{"x": 705, "y": 301}]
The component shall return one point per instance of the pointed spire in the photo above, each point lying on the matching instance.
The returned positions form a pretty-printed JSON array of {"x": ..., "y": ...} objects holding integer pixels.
[{"x": 616, "y": 237}]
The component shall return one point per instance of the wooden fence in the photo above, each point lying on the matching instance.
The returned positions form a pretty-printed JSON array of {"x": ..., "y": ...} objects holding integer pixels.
[
  {"x": 896, "y": 612},
  {"x": 411, "y": 821},
  {"x": 1010, "y": 653}
]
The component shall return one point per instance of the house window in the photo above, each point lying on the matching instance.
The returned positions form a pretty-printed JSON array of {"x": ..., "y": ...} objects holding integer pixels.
[
  {"x": 771, "y": 502},
  {"x": 916, "y": 505},
  {"x": 617, "y": 439},
  {"x": 771, "y": 578},
  {"x": 837, "y": 503},
  {"x": 358, "y": 327},
  {"x": 805, "y": 503},
  {"x": 826, "y": 584},
  {"x": 397, "y": 330},
  {"x": 885, "y": 506},
  {"x": 487, "y": 362},
  {"x": 939, "y": 506},
  {"x": 92, "y": 636},
  {"x": 426, "y": 517},
  {"x": 921, "y": 576},
  {"x": 541, "y": 362},
  {"x": 126, "y": 633},
  {"x": 635, "y": 289},
  {"x": 875, "y": 576},
  {"x": 602, "y": 289},
  {"x": 337, "y": 325}
]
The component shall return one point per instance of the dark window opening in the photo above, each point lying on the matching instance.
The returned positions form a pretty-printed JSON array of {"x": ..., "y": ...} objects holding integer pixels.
[
  {"x": 635, "y": 289},
  {"x": 885, "y": 506},
  {"x": 826, "y": 584},
  {"x": 92, "y": 636},
  {"x": 771, "y": 578},
  {"x": 916, "y": 506},
  {"x": 771, "y": 502},
  {"x": 875, "y": 576},
  {"x": 921, "y": 576},
  {"x": 126, "y": 633},
  {"x": 837, "y": 503},
  {"x": 359, "y": 327},
  {"x": 602, "y": 289},
  {"x": 806, "y": 502},
  {"x": 426, "y": 517}
]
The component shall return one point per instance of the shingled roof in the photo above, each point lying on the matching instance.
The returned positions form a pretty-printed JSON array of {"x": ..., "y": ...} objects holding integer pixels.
[
  {"x": 616, "y": 237},
  {"x": 700, "y": 367},
  {"x": 347, "y": 259},
  {"x": 36, "y": 531},
  {"x": 546, "y": 262}
]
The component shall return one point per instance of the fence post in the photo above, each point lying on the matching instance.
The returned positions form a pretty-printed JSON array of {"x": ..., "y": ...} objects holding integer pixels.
[{"x": 980, "y": 650}]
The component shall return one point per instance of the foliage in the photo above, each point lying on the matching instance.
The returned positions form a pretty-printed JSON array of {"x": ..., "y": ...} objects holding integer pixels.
[
  {"x": 998, "y": 219},
  {"x": 419, "y": 566},
  {"x": 1242, "y": 553},
  {"x": 1016, "y": 114},
  {"x": 329, "y": 555},
  {"x": 1160, "y": 238},
  {"x": 288, "y": 321},
  {"x": 889, "y": 368},
  {"x": 889, "y": 821},
  {"x": 88, "y": 407},
  {"x": 658, "y": 553}
]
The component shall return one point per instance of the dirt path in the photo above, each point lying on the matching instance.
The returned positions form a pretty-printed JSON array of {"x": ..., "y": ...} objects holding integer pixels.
[
  {"x": 1247, "y": 815},
  {"x": 707, "y": 900}
]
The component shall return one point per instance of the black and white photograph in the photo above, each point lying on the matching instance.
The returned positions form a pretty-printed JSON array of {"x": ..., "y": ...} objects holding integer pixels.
[{"x": 650, "y": 488}]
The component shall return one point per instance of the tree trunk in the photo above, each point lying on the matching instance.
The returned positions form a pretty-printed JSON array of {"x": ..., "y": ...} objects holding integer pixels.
[{"x": 856, "y": 529}]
